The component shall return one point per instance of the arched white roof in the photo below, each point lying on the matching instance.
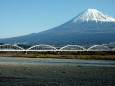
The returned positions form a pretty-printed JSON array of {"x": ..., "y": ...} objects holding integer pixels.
[
  {"x": 72, "y": 48},
  {"x": 10, "y": 47},
  {"x": 42, "y": 47},
  {"x": 98, "y": 48},
  {"x": 113, "y": 49}
]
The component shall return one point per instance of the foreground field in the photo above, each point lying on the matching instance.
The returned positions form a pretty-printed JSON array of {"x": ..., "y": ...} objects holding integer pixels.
[
  {"x": 108, "y": 55},
  {"x": 43, "y": 74}
]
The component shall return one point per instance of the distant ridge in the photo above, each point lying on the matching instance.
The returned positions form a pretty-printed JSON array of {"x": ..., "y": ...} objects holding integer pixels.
[{"x": 89, "y": 27}]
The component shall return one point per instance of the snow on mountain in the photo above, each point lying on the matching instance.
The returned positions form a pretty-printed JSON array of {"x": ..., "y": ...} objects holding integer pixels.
[
  {"x": 89, "y": 27},
  {"x": 93, "y": 15}
]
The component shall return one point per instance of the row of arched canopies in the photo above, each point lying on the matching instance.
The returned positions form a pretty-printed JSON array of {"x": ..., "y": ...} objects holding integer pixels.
[{"x": 9, "y": 47}]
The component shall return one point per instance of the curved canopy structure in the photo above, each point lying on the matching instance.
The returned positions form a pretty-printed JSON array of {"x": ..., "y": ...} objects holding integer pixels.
[
  {"x": 72, "y": 48},
  {"x": 8, "y": 47},
  {"x": 98, "y": 48},
  {"x": 113, "y": 49},
  {"x": 42, "y": 48}
]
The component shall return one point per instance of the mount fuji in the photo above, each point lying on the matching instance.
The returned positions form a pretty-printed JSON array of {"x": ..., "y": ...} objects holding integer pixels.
[{"x": 89, "y": 27}]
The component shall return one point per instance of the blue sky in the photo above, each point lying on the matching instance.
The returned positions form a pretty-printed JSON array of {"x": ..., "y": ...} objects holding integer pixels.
[{"x": 22, "y": 17}]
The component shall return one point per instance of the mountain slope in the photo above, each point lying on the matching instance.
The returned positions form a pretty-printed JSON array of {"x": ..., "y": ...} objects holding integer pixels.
[
  {"x": 90, "y": 27},
  {"x": 93, "y": 15}
]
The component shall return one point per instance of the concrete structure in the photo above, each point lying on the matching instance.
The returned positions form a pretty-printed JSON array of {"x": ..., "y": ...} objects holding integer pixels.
[
  {"x": 72, "y": 48},
  {"x": 42, "y": 48},
  {"x": 9, "y": 47},
  {"x": 98, "y": 48}
]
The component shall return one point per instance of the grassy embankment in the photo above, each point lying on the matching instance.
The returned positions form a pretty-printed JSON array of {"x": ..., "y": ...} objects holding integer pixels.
[{"x": 107, "y": 55}]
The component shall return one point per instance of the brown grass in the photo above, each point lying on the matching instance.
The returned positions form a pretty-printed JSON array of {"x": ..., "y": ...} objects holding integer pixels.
[{"x": 103, "y": 56}]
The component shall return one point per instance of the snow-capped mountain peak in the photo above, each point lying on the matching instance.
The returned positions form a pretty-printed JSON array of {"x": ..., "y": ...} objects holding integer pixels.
[{"x": 93, "y": 15}]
